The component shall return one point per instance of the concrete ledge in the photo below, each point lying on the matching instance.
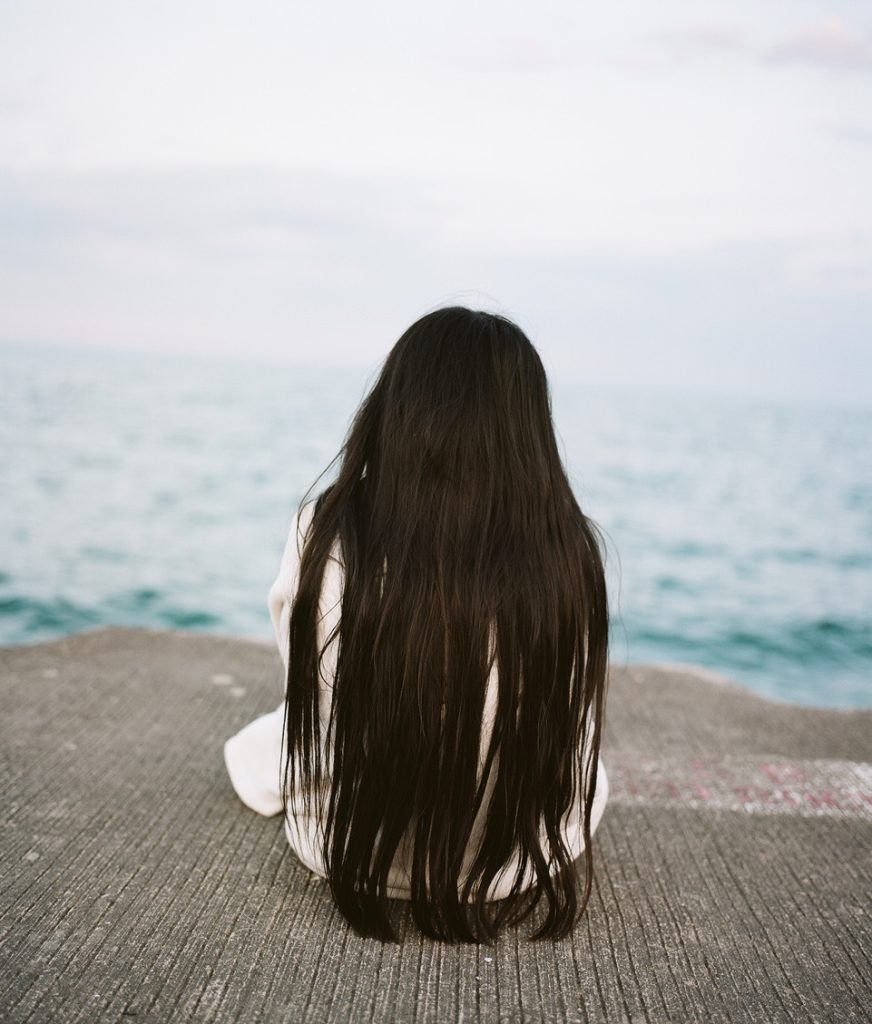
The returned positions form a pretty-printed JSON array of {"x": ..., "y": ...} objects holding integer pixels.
[{"x": 733, "y": 862}]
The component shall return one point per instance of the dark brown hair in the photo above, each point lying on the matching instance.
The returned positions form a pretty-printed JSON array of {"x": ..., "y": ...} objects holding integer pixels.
[{"x": 461, "y": 542}]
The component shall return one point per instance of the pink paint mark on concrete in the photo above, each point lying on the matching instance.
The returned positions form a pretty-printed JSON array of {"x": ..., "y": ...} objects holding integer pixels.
[{"x": 751, "y": 785}]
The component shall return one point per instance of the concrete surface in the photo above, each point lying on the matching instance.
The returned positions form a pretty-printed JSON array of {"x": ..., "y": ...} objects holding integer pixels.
[{"x": 733, "y": 860}]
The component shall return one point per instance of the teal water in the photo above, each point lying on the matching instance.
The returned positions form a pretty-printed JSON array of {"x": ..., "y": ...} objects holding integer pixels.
[{"x": 158, "y": 491}]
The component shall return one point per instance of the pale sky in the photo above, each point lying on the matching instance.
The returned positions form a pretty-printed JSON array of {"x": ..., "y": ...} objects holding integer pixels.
[{"x": 667, "y": 194}]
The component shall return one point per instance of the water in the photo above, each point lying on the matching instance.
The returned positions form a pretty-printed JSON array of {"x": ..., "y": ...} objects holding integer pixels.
[{"x": 158, "y": 491}]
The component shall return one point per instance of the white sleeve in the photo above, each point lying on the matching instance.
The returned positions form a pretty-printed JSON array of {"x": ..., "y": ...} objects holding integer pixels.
[
  {"x": 253, "y": 760},
  {"x": 281, "y": 593},
  {"x": 600, "y": 797},
  {"x": 253, "y": 755}
]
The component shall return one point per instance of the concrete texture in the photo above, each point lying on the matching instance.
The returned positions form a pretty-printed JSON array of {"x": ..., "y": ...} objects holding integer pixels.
[{"x": 733, "y": 860}]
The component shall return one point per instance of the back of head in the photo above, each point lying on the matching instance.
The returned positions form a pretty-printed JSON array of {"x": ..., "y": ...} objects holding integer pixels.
[{"x": 464, "y": 549}]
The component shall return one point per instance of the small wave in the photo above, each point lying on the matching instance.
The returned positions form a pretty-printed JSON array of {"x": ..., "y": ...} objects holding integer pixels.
[
  {"x": 800, "y": 556},
  {"x": 34, "y": 618},
  {"x": 26, "y": 619},
  {"x": 152, "y": 607},
  {"x": 853, "y": 637},
  {"x": 674, "y": 584},
  {"x": 181, "y": 619},
  {"x": 101, "y": 554},
  {"x": 695, "y": 549},
  {"x": 823, "y": 640}
]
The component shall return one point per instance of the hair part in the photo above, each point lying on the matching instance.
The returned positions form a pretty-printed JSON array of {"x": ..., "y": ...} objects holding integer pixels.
[{"x": 463, "y": 549}]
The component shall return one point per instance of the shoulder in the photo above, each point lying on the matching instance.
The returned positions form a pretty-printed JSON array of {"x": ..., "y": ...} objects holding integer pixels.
[
  {"x": 299, "y": 533},
  {"x": 301, "y": 524}
]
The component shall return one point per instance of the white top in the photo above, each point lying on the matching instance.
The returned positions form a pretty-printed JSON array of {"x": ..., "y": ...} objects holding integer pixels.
[{"x": 254, "y": 755}]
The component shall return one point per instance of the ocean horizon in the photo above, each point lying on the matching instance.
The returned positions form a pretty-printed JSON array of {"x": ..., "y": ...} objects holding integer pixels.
[{"x": 157, "y": 491}]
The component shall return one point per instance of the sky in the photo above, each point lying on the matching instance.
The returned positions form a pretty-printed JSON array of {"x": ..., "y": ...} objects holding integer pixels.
[{"x": 671, "y": 195}]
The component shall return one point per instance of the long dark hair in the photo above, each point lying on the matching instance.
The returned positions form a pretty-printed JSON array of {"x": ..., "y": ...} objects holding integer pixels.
[{"x": 463, "y": 547}]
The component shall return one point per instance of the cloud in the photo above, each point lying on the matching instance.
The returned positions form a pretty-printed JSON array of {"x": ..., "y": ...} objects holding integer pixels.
[
  {"x": 828, "y": 44},
  {"x": 832, "y": 266},
  {"x": 854, "y": 134},
  {"x": 685, "y": 45}
]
